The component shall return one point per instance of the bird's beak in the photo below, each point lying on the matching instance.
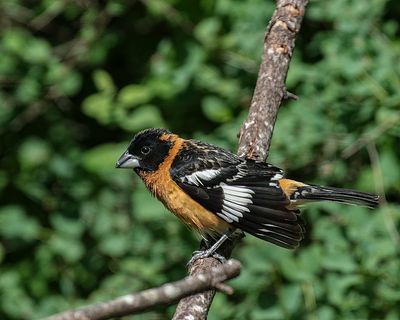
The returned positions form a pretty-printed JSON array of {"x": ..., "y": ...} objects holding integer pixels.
[{"x": 127, "y": 161}]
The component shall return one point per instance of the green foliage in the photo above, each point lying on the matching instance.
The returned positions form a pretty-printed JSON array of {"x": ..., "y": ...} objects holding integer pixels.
[{"x": 77, "y": 81}]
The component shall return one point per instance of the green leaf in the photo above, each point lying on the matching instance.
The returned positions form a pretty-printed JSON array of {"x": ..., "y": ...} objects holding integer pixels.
[
  {"x": 146, "y": 116},
  {"x": 15, "y": 224},
  {"x": 39, "y": 51},
  {"x": 2, "y": 253},
  {"x": 70, "y": 83},
  {"x": 215, "y": 109},
  {"x": 15, "y": 40},
  {"x": 68, "y": 227},
  {"x": 133, "y": 95},
  {"x": 337, "y": 286},
  {"x": 28, "y": 90},
  {"x": 389, "y": 166},
  {"x": 99, "y": 106},
  {"x": 145, "y": 207},
  {"x": 339, "y": 261},
  {"x": 102, "y": 158},
  {"x": 290, "y": 298},
  {"x": 325, "y": 313},
  {"x": 268, "y": 314},
  {"x": 103, "y": 81},
  {"x": 33, "y": 152},
  {"x": 206, "y": 31},
  {"x": 68, "y": 248},
  {"x": 12, "y": 290},
  {"x": 115, "y": 244}
]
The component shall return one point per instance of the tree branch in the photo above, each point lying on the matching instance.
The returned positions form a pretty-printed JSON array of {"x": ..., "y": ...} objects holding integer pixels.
[
  {"x": 256, "y": 132},
  {"x": 167, "y": 294}
]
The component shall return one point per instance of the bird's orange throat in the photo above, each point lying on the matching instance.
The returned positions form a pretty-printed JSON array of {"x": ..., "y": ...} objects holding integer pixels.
[
  {"x": 175, "y": 199},
  {"x": 158, "y": 182}
]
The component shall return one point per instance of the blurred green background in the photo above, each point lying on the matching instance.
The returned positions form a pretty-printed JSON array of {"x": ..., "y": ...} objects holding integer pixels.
[{"x": 79, "y": 78}]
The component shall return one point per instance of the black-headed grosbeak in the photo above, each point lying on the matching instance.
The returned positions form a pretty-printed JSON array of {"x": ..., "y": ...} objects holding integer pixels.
[{"x": 214, "y": 191}]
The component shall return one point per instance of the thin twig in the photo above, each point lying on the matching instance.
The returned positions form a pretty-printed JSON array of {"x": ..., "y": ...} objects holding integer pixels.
[
  {"x": 164, "y": 295},
  {"x": 256, "y": 132}
]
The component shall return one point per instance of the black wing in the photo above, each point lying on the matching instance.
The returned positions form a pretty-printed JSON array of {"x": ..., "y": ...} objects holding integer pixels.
[{"x": 244, "y": 193}]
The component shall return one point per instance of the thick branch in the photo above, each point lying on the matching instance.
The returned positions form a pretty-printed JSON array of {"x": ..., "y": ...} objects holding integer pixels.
[
  {"x": 256, "y": 132},
  {"x": 195, "y": 306},
  {"x": 167, "y": 294}
]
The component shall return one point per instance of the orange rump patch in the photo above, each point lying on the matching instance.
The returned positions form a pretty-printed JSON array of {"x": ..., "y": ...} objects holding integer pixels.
[{"x": 289, "y": 186}]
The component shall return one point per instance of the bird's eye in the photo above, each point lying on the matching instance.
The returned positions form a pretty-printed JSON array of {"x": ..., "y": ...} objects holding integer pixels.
[{"x": 145, "y": 150}]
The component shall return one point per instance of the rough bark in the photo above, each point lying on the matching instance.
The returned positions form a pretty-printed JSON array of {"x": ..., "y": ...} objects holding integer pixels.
[
  {"x": 256, "y": 131},
  {"x": 210, "y": 278},
  {"x": 195, "y": 306}
]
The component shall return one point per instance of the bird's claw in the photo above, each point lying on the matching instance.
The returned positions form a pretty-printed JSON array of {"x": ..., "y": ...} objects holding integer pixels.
[{"x": 205, "y": 254}]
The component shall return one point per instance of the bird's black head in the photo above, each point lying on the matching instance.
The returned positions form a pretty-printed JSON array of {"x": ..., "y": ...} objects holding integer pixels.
[{"x": 147, "y": 150}]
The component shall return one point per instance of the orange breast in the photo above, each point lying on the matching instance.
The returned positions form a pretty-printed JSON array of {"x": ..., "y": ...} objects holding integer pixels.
[{"x": 177, "y": 201}]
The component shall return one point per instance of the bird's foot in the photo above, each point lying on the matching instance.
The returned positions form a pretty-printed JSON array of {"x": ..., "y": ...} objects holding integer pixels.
[{"x": 205, "y": 254}]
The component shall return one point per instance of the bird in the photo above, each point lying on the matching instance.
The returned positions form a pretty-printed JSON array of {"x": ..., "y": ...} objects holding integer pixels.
[{"x": 218, "y": 193}]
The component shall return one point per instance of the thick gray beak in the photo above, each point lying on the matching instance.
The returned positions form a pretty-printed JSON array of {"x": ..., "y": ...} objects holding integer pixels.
[{"x": 127, "y": 161}]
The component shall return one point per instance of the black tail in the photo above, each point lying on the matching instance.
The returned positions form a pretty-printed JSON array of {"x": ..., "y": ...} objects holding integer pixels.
[{"x": 318, "y": 193}]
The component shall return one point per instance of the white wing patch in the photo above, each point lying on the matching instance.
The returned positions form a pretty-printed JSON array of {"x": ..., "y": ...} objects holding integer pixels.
[
  {"x": 241, "y": 172},
  {"x": 205, "y": 175},
  {"x": 277, "y": 176},
  {"x": 236, "y": 193},
  {"x": 275, "y": 179},
  {"x": 236, "y": 199}
]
